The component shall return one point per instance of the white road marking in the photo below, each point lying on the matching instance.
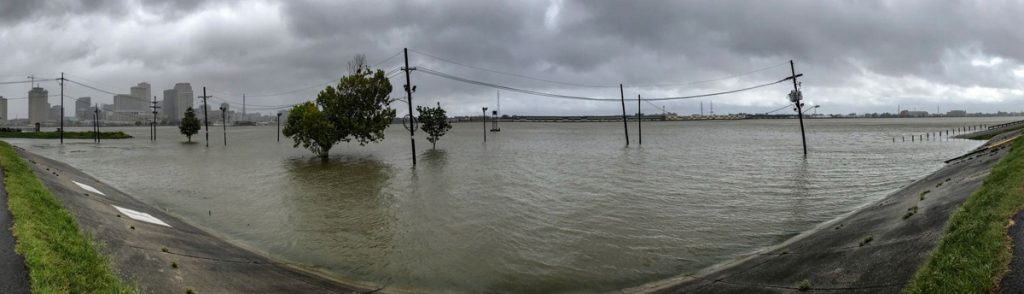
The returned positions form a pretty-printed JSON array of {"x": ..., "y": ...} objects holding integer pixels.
[
  {"x": 141, "y": 216},
  {"x": 89, "y": 188}
]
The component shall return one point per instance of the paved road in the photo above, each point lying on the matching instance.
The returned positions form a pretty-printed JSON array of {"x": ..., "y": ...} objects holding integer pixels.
[
  {"x": 162, "y": 254},
  {"x": 837, "y": 257},
  {"x": 13, "y": 274}
]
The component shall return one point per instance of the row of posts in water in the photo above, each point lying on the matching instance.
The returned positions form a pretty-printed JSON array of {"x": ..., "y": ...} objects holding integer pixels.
[{"x": 939, "y": 134}]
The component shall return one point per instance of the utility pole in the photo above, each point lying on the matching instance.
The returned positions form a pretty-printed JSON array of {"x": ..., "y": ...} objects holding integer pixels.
[
  {"x": 702, "y": 108},
  {"x": 224, "y": 122},
  {"x": 206, "y": 120},
  {"x": 408, "y": 91},
  {"x": 244, "y": 118},
  {"x": 279, "y": 127},
  {"x": 639, "y": 124},
  {"x": 796, "y": 97},
  {"x": 625, "y": 127},
  {"x": 62, "y": 108},
  {"x": 96, "y": 116},
  {"x": 154, "y": 107},
  {"x": 484, "y": 119}
]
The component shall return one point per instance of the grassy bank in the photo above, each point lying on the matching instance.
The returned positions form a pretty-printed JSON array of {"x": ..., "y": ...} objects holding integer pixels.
[
  {"x": 59, "y": 257},
  {"x": 974, "y": 253},
  {"x": 67, "y": 135}
]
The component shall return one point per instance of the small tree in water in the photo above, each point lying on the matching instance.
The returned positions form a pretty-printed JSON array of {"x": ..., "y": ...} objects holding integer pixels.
[
  {"x": 189, "y": 124},
  {"x": 433, "y": 121},
  {"x": 357, "y": 108}
]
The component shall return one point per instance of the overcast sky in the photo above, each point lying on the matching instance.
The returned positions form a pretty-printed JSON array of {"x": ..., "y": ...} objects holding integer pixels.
[{"x": 856, "y": 56}]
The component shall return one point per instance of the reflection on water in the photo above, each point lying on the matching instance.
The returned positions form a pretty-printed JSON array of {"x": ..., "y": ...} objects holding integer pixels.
[
  {"x": 338, "y": 209},
  {"x": 540, "y": 207}
]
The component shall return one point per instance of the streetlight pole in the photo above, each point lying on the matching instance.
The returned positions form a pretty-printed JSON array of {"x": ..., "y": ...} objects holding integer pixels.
[
  {"x": 62, "y": 108},
  {"x": 484, "y": 118},
  {"x": 224, "y": 122}
]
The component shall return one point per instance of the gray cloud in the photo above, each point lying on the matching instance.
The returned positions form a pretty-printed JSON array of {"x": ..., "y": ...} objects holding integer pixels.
[{"x": 857, "y": 56}]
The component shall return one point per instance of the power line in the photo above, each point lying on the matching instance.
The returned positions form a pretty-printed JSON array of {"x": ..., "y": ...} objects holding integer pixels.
[
  {"x": 602, "y": 86},
  {"x": 561, "y": 96},
  {"x": 512, "y": 74}
]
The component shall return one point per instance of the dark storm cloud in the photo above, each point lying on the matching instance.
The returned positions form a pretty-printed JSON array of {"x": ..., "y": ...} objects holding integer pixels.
[{"x": 857, "y": 55}]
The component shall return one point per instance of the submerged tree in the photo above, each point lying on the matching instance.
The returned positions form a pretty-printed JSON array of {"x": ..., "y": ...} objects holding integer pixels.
[
  {"x": 358, "y": 108},
  {"x": 189, "y": 124},
  {"x": 308, "y": 126},
  {"x": 433, "y": 121}
]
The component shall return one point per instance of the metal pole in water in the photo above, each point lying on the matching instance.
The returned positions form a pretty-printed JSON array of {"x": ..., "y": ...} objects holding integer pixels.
[
  {"x": 799, "y": 105},
  {"x": 408, "y": 91},
  {"x": 625, "y": 127},
  {"x": 639, "y": 125}
]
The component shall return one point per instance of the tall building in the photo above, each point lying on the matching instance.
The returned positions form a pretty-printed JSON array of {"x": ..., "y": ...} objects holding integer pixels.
[
  {"x": 54, "y": 113},
  {"x": 38, "y": 106},
  {"x": 143, "y": 93},
  {"x": 83, "y": 108},
  {"x": 3, "y": 109},
  {"x": 126, "y": 103},
  {"x": 170, "y": 106},
  {"x": 183, "y": 100},
  {"x": 176, "y": 101}
]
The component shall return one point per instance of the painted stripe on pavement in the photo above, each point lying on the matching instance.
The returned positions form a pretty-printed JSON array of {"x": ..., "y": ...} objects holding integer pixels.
[
  {"x": 89, "y": 188},
  {"x": 141, "y": 216}
]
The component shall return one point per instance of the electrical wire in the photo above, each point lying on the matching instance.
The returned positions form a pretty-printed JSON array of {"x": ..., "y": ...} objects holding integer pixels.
[
  {"x": 602, "y": 86},
  {"x": 512, "y": 74},
  {"x": 561, "y": 96}
]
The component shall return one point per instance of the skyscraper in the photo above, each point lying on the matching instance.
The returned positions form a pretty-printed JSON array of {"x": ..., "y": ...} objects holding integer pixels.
[
  {"x": 142, "y": 92},
  {"x": 183, "y": 100},
  {"x": 38, "y": 106},
  {"x": 83, "y": 108},
  {"x": 170, "y": 107}
]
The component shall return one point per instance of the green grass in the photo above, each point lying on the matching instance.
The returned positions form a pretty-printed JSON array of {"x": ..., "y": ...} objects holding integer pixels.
[
  {"x": 67, "y": 135},
  {"x": 974, "y": 253},
  {"x": 60, "y": 259},
  {"x": 990, "y": 136}
]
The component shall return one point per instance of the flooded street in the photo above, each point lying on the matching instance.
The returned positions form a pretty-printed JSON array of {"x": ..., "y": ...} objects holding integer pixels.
[{"x": 539, "y": 207}]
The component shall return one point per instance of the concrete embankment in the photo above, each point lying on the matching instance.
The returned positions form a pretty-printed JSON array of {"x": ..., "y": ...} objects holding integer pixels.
[
  {"x": 161, "y": 254},
  {"x": 876, "y": 249}
]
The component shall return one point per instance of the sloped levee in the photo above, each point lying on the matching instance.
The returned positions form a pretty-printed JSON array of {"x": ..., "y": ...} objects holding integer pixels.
[
  {"x": 876, "y": 249},
  {"x": 162, "y": 254}
]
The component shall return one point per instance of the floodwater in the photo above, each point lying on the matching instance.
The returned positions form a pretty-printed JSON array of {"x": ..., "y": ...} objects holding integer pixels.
[{"x": 539, "y": 207}]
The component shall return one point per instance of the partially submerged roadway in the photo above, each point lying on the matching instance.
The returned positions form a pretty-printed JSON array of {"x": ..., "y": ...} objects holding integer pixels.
[
  {"x": 172, "y": 257},
  {"x": 876, "y": 249}
]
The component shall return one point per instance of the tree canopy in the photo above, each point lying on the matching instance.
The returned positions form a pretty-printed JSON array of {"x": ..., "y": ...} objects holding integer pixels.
[
  {"x": 433, "y": 121},
  {"x": 357, "y": 108},
  {"x": 189, "y": 124}
]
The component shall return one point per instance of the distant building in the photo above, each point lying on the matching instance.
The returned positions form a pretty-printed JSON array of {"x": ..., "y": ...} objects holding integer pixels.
[
  {"x": 170, "y": 105},
  {"x": 126, "y": 103},
  {"x": 55, "y": 113},
  {"x": 38, "y": 106},
  {"x": 83, "y": 108},
  {"x": 957, "y": 113},
  {"x": 177, "y": 100},
  {"x": 907, "y": 113},
  {"x": 3, "y": 109},
  {"x": 142, "y": 92}
]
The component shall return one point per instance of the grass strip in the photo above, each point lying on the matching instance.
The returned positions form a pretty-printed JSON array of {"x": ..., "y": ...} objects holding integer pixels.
[
  {"x": 60, "y": 259},
  {"x": 991, "y": 135},
  {"x": 974, "y": 253},
  {"x": 67, "y": 135}
]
